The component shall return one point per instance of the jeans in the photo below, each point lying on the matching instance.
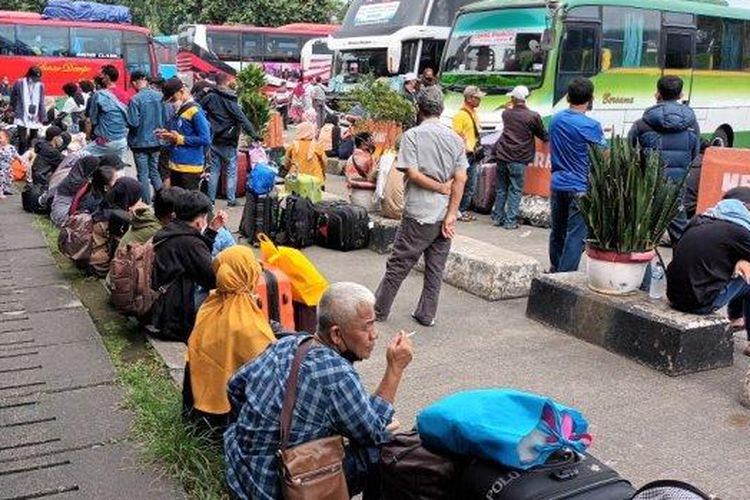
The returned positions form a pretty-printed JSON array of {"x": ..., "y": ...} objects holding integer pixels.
[
  {"x": 117, "y": 148},
  {"x": 471, "y": 186},
  {"x": 147, "y": 166},
  {"x": 736, "y": 295},
  {"x": 26, "y": 137},
  {"x": 568, "y": 236},
  {"x": 223, "y": 155},
  {"x": 509, "y": 192},
  {"x": 412, "y": 240}
]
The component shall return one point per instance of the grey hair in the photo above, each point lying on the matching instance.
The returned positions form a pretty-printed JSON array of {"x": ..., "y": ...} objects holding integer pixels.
[
  {"x": 430, "y": 101},
  {"x": 340, "y": 304}
]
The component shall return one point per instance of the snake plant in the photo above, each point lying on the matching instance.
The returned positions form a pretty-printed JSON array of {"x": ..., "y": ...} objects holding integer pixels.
[{"x": 630, "y": 202}]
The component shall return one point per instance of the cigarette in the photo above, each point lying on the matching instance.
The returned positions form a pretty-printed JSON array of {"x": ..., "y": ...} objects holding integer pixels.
[{"x": 411, "y": 334}]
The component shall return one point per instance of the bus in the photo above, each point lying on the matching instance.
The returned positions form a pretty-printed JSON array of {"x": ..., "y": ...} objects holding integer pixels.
[
  {"x": 316, "y": 60},
  {"x": 623, "y": 46},
  {"x": 70, "y": 51},
  {"x": 166, "y": 55},
  {"x": 390, "y": 38},
  {"x": 230, "y": 48}
]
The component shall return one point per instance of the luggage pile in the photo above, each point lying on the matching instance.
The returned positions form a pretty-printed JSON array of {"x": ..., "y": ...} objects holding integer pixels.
[
  {"x": 498, "y": 444},
  {"x": 292, "y": 213}
]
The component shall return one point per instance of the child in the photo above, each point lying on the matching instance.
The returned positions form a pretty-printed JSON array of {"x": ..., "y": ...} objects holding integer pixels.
[{"x": 7, "y": 154}]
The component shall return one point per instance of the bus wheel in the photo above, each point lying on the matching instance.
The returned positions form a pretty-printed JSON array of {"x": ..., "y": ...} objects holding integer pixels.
[{"x": 721, "y": 138}]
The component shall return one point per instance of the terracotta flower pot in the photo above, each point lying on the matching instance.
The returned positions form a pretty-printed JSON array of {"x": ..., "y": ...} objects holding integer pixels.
[{"x": 615, "y": 273}]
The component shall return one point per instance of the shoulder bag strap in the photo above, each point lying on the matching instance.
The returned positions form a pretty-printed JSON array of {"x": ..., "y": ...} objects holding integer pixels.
[
  {"x": 290, "y": 393},
  {"x": 473, "y": 122}
]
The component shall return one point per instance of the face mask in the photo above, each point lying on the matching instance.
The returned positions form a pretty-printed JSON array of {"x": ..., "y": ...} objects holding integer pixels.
[{"x": 347, "y": 354}]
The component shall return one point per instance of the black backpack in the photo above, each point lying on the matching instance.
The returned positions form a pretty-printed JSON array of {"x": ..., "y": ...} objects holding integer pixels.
[
  {"x": 297, "y": 222},
  {"x": 30, "y": 199},
  {"x": 342, "y": 226}
]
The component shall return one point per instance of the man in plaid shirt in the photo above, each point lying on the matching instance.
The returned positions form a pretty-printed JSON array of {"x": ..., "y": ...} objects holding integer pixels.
[{"x": 330, "y": 397}]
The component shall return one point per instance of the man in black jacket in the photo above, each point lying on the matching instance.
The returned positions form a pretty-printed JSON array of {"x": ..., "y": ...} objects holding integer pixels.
[
  {"x": 226, "y": 117},
  {"x": 182, "y": 260}
]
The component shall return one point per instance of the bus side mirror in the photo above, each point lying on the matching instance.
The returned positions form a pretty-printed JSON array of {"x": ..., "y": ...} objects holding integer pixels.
[{"x": 548, "y": 39}]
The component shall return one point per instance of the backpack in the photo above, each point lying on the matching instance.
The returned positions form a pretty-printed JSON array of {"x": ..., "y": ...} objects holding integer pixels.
[
  {"x": 298, "y": 225},
  {"x": 31, "y": 199},
  {"x": 74, "y": 240},
  {"x": 130, "y": 279}
]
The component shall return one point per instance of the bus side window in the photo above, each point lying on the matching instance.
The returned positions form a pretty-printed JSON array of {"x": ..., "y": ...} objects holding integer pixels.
[
  {"x": 409, "y": 56},
  {"x": 630, "y": 38},
  {"x": 7, "y": 39},
  {"x": 718, "y": 44},
  {"x": 746, "y": 63}
]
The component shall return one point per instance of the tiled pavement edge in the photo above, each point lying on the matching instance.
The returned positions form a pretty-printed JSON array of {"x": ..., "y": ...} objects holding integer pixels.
[{"x": 63, "y": 431}]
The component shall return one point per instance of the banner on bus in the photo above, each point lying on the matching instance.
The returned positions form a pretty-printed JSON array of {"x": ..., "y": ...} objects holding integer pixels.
[
  {"x": 723, "y": 169},
  {"x": 539, "y": 173}
]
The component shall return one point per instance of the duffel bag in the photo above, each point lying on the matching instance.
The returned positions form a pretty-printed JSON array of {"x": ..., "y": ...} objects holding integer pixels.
[
  {"x": 566, "y": 476},
  {"x": 409, "y": 471}
]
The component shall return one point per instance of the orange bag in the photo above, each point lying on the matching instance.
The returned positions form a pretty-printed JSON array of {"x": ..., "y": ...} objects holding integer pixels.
[
  {"x": 274, "y": 136},
  {"x": 18, "y": 170}
]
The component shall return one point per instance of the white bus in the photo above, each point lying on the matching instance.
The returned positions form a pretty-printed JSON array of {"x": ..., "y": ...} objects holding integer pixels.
[
  {"x": 389, "y": 38},
  {"x": 316, "y": 59}
]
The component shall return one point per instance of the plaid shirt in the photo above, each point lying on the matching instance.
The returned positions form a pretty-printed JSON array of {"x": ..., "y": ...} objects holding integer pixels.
[{"x": 330, "y": 400}]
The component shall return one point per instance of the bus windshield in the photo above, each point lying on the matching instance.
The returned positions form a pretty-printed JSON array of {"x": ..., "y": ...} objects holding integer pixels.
[
  {"x": 496, "y": 50},
  {"x": 353, "y": 63},
  {"x": 381, "y": 17}
]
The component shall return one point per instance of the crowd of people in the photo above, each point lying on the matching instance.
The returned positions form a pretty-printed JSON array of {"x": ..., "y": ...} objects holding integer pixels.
[{"x": 203, "y": 286}]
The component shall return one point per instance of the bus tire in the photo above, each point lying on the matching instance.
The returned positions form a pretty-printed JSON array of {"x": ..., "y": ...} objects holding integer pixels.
[{"x": 723, "y": 137}]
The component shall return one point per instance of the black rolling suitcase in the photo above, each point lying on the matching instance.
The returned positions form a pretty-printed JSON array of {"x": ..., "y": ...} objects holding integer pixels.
[
  {"x": 342, "y": 226},
  {"x": 260, "y": 215},
  {"x": 566, "y": 477}
]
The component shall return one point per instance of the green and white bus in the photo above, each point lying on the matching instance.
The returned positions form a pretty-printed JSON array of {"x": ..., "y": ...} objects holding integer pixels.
[{"x": 623, "y": 46}]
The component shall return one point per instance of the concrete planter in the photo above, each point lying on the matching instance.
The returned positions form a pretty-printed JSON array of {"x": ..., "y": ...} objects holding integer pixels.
[{"x": 613, "y": 273}]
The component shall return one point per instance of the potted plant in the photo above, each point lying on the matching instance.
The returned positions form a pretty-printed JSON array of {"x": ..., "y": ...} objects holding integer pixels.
[{"x": 628, "y": 206}]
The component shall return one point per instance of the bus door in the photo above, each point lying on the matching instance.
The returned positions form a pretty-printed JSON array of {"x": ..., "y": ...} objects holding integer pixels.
[
  {"x": 678, "y": 40},
  {"x": 578, "y": 56}
]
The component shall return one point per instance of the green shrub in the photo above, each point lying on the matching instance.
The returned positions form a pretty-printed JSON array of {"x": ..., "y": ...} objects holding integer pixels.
[
  {"x": 380, "y": 102},
  {"x": 630, "y": 202},
  {"x": 250, "y": 83}
]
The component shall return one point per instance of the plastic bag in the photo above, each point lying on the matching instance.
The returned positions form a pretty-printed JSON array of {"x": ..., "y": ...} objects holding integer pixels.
[
  {"x": 513, "y": 428},
  {"x": 262, "y": 179},
  {"x": 308, "y": 285},
  {"x": 387, "y": 161}
]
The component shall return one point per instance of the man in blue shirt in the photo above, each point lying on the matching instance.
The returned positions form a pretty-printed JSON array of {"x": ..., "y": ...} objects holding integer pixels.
[
  {"x": 146, "y": 114},
  {"x": 331, "y": 399},
  {"x": 109, "y": 117},
  {"x": 571, "y": 133}
]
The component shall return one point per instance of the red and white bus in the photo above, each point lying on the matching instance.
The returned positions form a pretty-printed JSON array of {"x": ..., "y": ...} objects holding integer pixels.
[
  {"x": 316, "y": 60},
  {"x": 70, "y": 51},
  {"x": 230, "y": 48}
]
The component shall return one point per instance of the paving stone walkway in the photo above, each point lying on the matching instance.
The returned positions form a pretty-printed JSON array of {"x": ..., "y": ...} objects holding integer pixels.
[{"x": 63, "y": 431}]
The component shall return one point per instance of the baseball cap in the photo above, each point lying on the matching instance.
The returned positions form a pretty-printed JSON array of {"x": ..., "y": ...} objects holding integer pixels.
[
  {"x": 739, "y": 193},
  {"x": 473, "y": 91},
  {"x": 410, "y": 77},
  {"x": 171, "y": 87},
  {"x": 519, "y": 93}
]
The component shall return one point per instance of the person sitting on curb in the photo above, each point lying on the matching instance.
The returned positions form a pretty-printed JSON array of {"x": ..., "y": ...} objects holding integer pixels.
[
  {"x": 331, "y": 398},
  {"x": 711, "y": 264},
  {"x": 147, "y": 221},
  {"x": 182, "y": 260},
  {"x": 230, "y": 330}
]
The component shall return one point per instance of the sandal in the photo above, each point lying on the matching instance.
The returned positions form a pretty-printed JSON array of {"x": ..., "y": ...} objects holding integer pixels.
[{"x": 467, "y": 218}]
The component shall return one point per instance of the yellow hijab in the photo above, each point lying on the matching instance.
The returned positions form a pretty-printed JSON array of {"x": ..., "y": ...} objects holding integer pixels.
[{"x": 230, "y": 330}]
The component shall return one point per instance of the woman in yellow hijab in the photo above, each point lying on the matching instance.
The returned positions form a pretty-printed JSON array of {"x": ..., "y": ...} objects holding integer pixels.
[
  {"x": 230, "y": 330},
  {"x": 306, "y": 155}
]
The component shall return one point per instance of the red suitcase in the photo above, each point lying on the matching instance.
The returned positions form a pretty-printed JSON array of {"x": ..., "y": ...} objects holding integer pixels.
[
  {"x": 243, "y": 164},
  {"x": 275, "y": 297}
]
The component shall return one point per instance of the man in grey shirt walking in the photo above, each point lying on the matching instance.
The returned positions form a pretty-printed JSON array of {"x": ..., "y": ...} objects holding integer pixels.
[{"x": 433, "y": 160}]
